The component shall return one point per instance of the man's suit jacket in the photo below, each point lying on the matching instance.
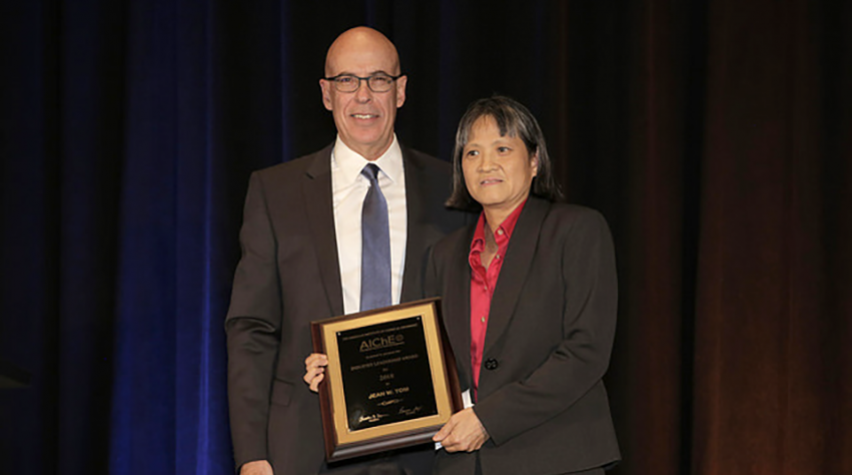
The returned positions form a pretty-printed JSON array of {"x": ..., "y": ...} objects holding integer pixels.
[
  {"x": 547, "y": 345},
  {"x": 289, "y": 276}
]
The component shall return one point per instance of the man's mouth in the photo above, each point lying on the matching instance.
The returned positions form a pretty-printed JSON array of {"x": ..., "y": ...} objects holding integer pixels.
[{"x": 364, "y": 116}]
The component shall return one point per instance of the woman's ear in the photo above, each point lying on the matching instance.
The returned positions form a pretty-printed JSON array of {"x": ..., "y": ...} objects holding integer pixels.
[{"x": 534, "y": 163}]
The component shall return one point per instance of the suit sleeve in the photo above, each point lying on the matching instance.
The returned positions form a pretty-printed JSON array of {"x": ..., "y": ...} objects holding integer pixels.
[
  {"x": 252, "y": 327},
  {"x": 430, "y": 275},
  {"x": 581, "y": 359}
]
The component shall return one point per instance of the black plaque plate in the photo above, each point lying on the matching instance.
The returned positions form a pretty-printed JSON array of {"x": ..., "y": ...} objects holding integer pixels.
[{"x": 386, "y": 374}]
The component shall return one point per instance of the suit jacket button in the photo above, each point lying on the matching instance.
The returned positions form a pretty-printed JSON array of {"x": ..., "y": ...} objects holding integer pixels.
[{"x": 491, "y": 364}]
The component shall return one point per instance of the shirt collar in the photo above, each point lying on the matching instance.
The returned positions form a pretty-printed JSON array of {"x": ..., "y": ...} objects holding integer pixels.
[
  {"x": 349, "y": 163},
  {"x": 507, "y": 227}
]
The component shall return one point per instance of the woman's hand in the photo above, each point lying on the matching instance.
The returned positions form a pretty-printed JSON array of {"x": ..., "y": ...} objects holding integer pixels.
[
  {"x": 462, "y": 433},
  {"x": 258, "y": 467},
  {"x": 315, "y": 370}
]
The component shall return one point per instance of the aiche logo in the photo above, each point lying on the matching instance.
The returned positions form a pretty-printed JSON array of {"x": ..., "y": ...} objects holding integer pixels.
[{"x": 380, "y": 342}]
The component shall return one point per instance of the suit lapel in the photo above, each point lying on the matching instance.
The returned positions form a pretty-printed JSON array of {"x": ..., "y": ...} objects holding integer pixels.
[
  {"x": 517, "y": 263},
  {"x": 415, "y": 241},
  {"x": 457, "y": 305},
  {"x": 318, "y": 203}
]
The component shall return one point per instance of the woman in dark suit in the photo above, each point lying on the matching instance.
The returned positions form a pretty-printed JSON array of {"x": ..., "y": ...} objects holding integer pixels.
[{"x": 529, "y": 303}]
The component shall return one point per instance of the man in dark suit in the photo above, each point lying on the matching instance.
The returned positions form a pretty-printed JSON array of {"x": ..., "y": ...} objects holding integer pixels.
[{"x": 309, "y": 245}]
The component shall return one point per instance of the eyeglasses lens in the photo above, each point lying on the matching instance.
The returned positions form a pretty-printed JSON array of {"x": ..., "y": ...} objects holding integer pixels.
[{"x": 376, "y": 83}]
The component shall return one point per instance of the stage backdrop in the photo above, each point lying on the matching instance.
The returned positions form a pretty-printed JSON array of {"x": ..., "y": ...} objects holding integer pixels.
[{"x": 715, "y": 136}]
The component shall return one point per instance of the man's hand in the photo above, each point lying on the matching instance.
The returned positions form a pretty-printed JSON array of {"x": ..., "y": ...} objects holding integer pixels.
[
  {"x": 315, "y": 370},
  {"x": 462, "y": 433},
  {"x": 258, "y": 467}
]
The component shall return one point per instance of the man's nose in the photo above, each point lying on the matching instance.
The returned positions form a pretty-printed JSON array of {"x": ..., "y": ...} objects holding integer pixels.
[{"x": 363, "y": 93}]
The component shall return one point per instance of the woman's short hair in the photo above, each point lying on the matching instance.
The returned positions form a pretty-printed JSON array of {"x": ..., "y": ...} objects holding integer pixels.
[{"x": 512, "y": 119}]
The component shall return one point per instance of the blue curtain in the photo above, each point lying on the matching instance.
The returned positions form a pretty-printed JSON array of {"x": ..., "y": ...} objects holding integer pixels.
[
  {"x": 121, "y": 201},
  {"x": 129, "y": 129}
]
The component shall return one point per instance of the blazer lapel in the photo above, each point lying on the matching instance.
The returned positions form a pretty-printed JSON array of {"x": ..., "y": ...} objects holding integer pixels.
[
  {"x": 318, "y": 203},
  {"x": 457, "y": 306},
  {"x": 516, "y": 266}
]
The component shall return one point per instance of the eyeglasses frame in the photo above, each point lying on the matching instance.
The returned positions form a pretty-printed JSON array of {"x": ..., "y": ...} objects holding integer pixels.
[{"x": 333, "y": 80}]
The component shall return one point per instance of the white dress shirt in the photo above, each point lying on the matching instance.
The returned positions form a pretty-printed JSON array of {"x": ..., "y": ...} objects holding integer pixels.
[{"x": 349, "y": 188}]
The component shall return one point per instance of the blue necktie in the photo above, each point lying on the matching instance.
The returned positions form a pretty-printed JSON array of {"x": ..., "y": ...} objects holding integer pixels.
[{"x": 375, "y": 245}]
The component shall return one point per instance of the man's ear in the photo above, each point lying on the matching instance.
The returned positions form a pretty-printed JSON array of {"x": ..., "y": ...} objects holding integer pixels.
[
  {"x": 325, "y": 86},
  {"x": 400, "y": 91}
]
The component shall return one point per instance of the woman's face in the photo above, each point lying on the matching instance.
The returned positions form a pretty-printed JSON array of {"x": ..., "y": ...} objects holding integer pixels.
[{"x": 498, "y": 170}]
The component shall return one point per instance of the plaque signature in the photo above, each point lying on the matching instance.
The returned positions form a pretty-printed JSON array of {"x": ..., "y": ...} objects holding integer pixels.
[
  {"x": 372, "y": 418},
  {"x": 405, "y": 411}
]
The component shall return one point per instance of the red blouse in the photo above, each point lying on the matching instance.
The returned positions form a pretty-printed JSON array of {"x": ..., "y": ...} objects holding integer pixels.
[{"x": 482, "y": 283}]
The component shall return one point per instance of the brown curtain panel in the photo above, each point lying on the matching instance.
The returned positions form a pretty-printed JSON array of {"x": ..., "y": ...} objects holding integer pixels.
[{"x": 724, "y": 167}]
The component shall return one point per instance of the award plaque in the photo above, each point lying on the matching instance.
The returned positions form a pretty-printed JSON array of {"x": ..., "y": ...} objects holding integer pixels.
[{"x": 390, "y": 382}]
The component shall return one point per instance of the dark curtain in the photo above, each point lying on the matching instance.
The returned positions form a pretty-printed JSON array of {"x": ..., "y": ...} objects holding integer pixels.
[{"x": 715, "y": 136}]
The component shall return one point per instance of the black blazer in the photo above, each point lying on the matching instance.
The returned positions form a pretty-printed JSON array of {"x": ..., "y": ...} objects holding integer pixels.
[
  {"x": 289, "y": 276},
  {"x": 547, "y": 346}
]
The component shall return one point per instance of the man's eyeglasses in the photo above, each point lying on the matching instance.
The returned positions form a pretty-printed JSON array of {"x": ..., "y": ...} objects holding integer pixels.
[{"x": 379, "y": 82}]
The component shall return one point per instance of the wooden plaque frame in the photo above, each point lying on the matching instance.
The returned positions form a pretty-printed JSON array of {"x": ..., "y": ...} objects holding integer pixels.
[{"x": 343, "y": 443}]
